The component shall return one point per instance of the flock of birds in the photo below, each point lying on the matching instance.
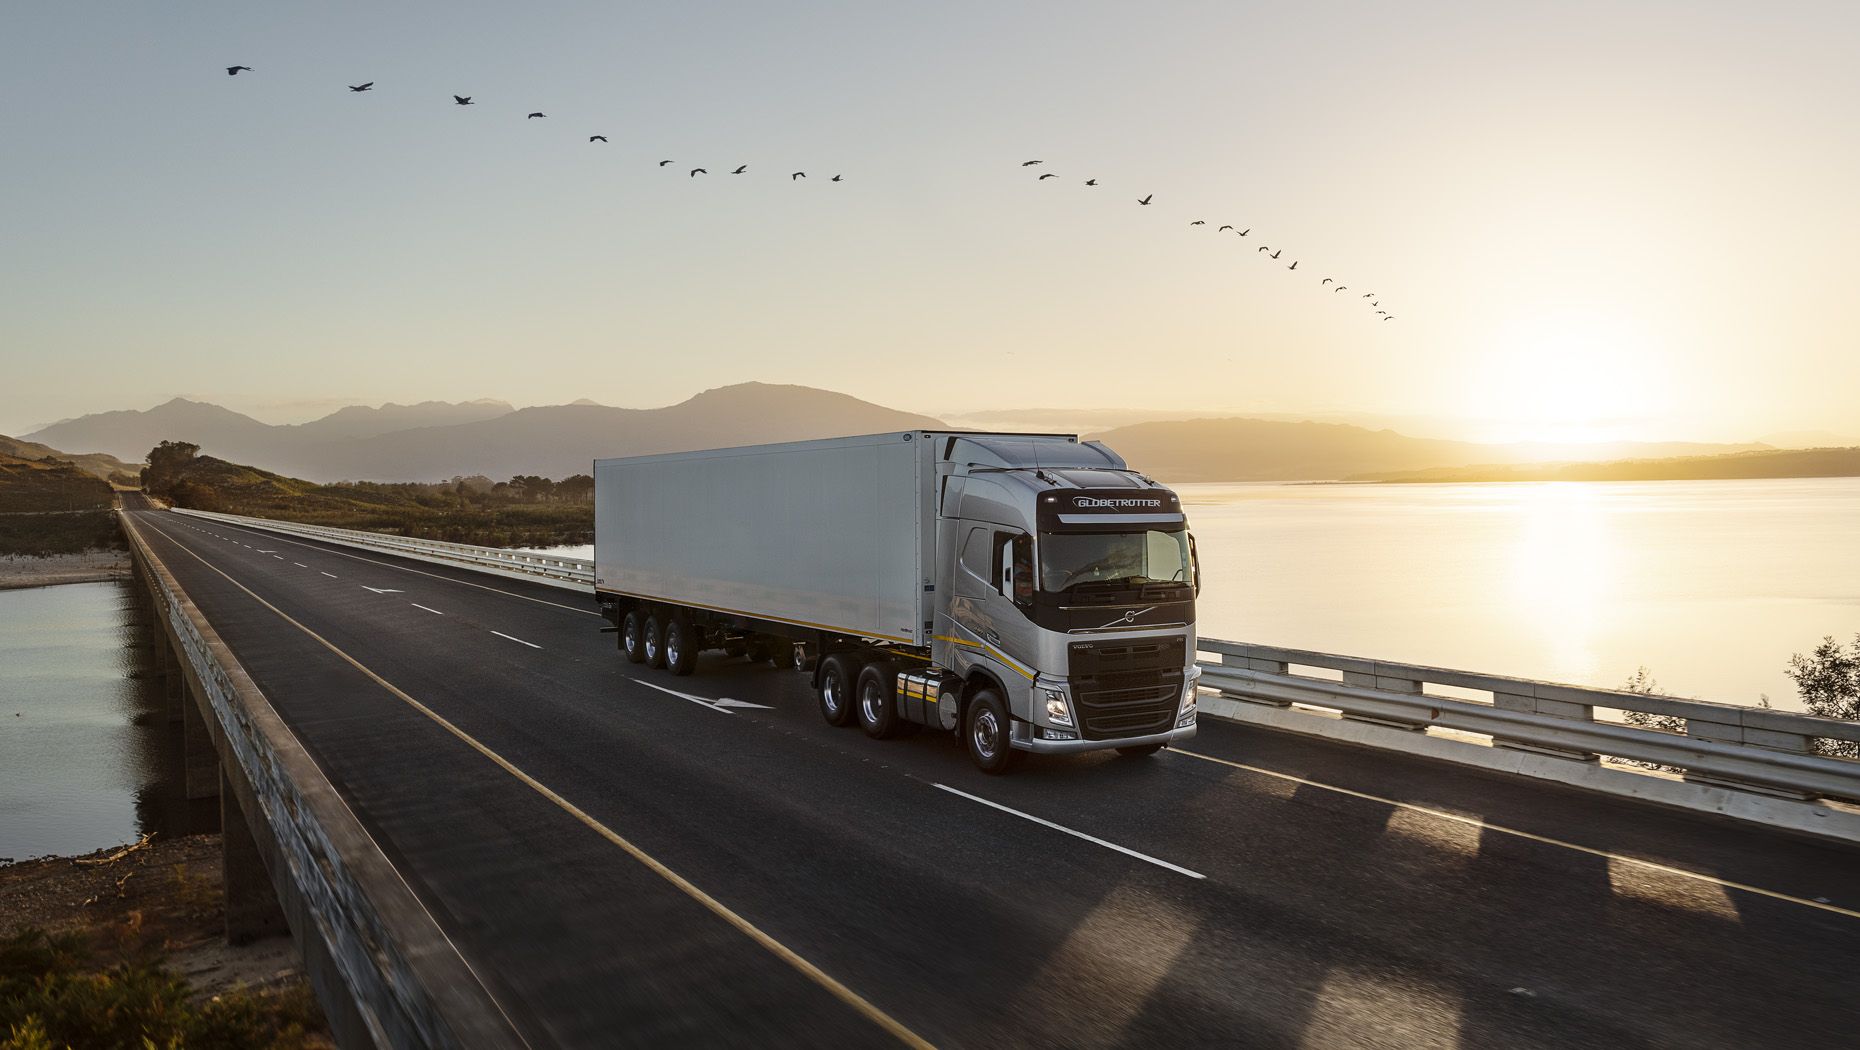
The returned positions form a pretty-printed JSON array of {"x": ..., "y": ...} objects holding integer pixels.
[
  {"x": 1269, "y": 251},
  {"x": 1375, "y": 303}
]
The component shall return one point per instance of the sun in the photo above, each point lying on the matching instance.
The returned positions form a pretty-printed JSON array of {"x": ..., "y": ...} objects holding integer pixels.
[{"x": 1564, "y": 377}]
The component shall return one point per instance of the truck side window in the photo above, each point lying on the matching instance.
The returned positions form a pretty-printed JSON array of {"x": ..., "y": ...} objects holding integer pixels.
[
  {"x": 974, "y": 558},
  {"x": 1013, "y": 566}
]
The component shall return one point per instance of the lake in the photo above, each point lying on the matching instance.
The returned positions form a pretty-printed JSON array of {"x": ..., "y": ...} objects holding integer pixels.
[
  {"x": 88, "y": 757},
  {"x": 1709, "y": 584}
]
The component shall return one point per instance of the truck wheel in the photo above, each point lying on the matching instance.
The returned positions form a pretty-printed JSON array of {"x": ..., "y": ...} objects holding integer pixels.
[
  {"x": 877, "y": 715},
  {"x": 836, "y": 690},
  {"x": 985, "y": 733},
  {"x": 680, "y": 646},
  {"x": 633, "y": 637},
  {"x": 655, "y": 641},
  {"x": 1140, "y": 751}
]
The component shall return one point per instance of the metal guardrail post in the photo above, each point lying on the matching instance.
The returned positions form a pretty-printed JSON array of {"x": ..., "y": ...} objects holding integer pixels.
[
  {"x": 1724, "y": 732},
  {"x": 1533, "y": 704}
]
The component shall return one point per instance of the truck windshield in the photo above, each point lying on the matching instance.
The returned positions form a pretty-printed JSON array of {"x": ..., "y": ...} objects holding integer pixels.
[{"x": 1131, "y": 559}]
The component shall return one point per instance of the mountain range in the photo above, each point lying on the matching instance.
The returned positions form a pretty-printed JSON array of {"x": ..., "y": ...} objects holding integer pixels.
[{"x": 435, "y": 439}]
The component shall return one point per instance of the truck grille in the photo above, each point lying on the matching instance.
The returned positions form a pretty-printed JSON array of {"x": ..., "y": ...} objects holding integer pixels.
[{"x": 1126, "y": 688}]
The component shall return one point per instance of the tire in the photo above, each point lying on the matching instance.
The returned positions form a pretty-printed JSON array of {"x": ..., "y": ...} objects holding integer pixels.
[
  {"x": 1140, "y": 751},
  {"x": 878, "y": 715},
  {"x": 836, "y": 690},
  {"x": 781, "y": 654},
  {"x": 633, "y": 637},
  {"x": 985, "y": 733},
  {"x": 681, "y": 646},
  {"x": 733, "y": 647},
  {"x": 655, "y": 641}
]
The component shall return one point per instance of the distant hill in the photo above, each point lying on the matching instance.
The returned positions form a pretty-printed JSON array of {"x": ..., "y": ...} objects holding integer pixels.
[
  {"x": 1246, "y": 449},
  {"x": 96, "y": 464},
  {"x": 438, "y": 440},
  {"x": 1774, "y": 463},
  {"x": 40, "y": 485}
]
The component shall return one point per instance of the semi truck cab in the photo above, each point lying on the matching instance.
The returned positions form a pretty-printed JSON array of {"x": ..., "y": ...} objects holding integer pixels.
[{"x": 1070, "y": 594}]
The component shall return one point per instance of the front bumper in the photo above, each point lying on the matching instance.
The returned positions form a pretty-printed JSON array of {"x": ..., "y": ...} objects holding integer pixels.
[{"x": 1021, "y": 738}]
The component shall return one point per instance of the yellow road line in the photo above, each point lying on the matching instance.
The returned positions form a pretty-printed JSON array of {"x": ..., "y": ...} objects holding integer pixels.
[
  {"x": 1533, "y": 837},
  {"x": 718, "y": 908}
]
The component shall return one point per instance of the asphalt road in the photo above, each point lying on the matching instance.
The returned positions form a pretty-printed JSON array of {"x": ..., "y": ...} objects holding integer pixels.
[{"x": 1255, "y": 889}]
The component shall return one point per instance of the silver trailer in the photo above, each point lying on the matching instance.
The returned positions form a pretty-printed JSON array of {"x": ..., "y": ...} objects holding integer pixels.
[{"x": 1029, "y": 591}]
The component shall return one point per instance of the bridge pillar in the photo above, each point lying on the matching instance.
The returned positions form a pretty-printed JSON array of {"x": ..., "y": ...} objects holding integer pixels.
[
  {"x": 252, "y": 909},
  {"x": 201, "y": 760}
]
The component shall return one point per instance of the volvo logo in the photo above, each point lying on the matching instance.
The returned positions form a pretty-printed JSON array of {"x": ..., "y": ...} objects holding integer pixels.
[
  {"x": 1113, "y": 503},
  {"x": 1129, "y": 617}
]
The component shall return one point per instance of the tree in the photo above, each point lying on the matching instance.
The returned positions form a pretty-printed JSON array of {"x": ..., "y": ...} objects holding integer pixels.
[
  {"x": 575, "y": 487},
  {"x": 1828, "y": 680},
  {"x": 166, "y": 462}
]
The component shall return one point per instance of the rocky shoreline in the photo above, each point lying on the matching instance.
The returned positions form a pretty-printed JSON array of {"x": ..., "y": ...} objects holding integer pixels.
[{"x": 86, "y": 567}]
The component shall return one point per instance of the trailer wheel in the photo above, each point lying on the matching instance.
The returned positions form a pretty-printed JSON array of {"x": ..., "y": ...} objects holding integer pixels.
[
  {"x": 836, "y": 690},
  {"x": 680, "y": 646},
  {"x": 878, "y": 716},
  {"x": 655, "y": 641},
  {"x": 633, "y": 637},
  {"x": 985, "y": 733}
]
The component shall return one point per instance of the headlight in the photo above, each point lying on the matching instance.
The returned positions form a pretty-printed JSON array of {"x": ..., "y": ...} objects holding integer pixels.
[
  {"x": 1056, "y": 710},
  {"x": 1186, "y": 714}
]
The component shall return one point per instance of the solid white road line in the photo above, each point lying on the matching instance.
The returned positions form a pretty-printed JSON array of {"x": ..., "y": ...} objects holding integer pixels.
[
  {"x": 331, "y": 575},
  {"x": 1475, "y": 822},
  {"x": 300, "y": 565},
  {"x": 381, "y": 590},
  {"x": 435, "y": 612},
  {"x": 513, "y": 638},
  {"x": 1076, "y": 834}
]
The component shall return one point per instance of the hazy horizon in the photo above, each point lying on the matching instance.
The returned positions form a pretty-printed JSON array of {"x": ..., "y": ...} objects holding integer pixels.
[{"x": 1594, "y": 222}]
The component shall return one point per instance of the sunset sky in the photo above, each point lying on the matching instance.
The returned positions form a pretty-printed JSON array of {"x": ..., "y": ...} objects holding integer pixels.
[{"x": 1591, "y": 220}]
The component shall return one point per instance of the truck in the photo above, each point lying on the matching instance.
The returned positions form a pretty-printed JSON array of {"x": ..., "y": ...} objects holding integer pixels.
[{"x": 1030, "y": 592}]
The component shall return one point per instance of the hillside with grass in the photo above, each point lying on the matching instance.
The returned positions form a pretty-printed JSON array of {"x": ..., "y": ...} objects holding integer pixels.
[
  {"x": 48, "y": 506},
  {"x": 97, "y": 464},
  {"x": 526, "y": 511}
]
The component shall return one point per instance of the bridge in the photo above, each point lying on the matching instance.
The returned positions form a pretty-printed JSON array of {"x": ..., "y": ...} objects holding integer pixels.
[{"x": 484, "y": 828}]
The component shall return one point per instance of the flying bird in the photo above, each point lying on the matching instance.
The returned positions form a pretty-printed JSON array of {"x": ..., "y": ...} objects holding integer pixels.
[
  {"x": 663, "y": 163},
  {"x": 233, "y": 71},
  {"x": 1341, "y": 288},
  {"x": 1029, "y": 163},
  {"x": 1327, "y": 281},
  {"x": 1369, "y": 295},
  {"x": 1378, "y": 302},
  {"x": 1390, "y": 317},
  {"x": 533, "y": 116},
  {"x": 695, "y": 172},
  {"x": 1384, "y": 313},
  {"x": 797, "y": 175},
  {"x": 597, "y": 138},
  {"x": 740, "y": 169},
  {"x": 1146, "y": 200},
  {"x": 1246, "y": 231},
  {"x": 370, "y": 86},
  {"x": 1198, "y": 222},
  {"x": 1048, "y": 175},
  {"x": 1275, "y": 255},
  {"x": 1262, "y": 248},
  {"x": 1294, "y": 265},
  {"x": 1224, "y": 228},
  {"x": 836, "y": 178},
  {"x": 463, "y": 100},
  {"x": 1091, "y": 182}
]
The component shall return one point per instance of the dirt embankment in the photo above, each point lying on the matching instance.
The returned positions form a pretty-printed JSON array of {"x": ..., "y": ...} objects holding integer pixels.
[{"x": 159, "y": 904}]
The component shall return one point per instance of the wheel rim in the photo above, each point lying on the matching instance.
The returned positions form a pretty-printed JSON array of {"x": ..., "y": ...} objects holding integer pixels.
[
  {"x": 632, "y": 635},
  {"x": 652, "y": 645},
  {"x": 986, "y": 733},
  {"x": 871, "y": 703},
  {"x": 830, "y": 694},
  {"x": 671, "y": 645}
]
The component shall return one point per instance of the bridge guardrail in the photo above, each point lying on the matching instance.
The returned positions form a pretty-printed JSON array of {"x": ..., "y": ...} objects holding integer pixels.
[
  {"x": 1552, "y": 729},
  {"x": 373, "y": 941},
  {"x": 1733, "y": 759},
  {"x": 573, "y": 573}
]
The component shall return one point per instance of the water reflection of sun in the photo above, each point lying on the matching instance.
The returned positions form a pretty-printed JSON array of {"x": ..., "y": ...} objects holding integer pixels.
[{"x": 1562, "y": 571}]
